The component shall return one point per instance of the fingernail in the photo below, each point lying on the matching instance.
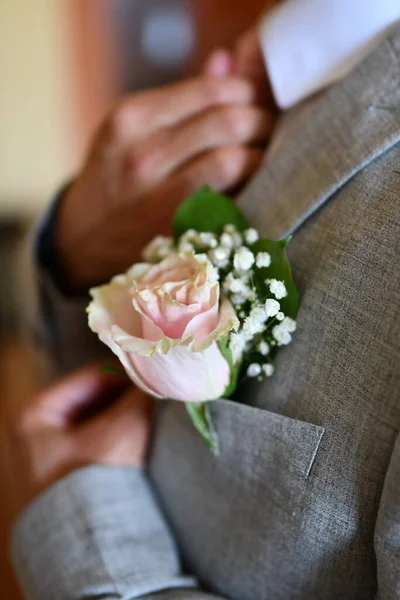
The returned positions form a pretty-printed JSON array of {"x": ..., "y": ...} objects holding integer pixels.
[{"x": 219, "y": 64}]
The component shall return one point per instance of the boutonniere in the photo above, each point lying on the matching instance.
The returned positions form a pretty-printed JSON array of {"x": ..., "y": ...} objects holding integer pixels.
[{"x": 208, "y": 308}]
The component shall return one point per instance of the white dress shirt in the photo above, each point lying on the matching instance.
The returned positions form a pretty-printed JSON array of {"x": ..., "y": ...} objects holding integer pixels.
[{"x": 308, "y": 44}]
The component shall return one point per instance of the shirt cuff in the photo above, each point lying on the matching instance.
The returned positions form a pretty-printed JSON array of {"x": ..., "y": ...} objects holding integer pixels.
[
  {"x": 96, "y": 533},
  {"x": 309, "y": 44},
  {"x": 59, "y": 323},
  {"x": 45, "y": 253}
]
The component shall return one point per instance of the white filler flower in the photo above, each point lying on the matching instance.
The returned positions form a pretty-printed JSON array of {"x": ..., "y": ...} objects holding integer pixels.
[
  {"x": 263, "y": 348},
  {"x": 243, "y": 259},
  {"x": 278, "y": 288},
  {"x": 231, "y": 237},
  {"x": 220, "y": 256},
  {"x": 282, "y": 336},
  {"x": 263, "y": 259},
  {"x": 254, "y": 370},
  {"x": 289, "y": 324},
  {"x": 282, "y": 332},
  {"x": 251, "y": 235},
  {"x": 186, "y": 246},
  {"x": 272, "y": 307},
  {"x": 159, "y": 248},
  {"x": 268, "y": 370},
  {"x": 207, "y": 240},
  {"x": 255, "y": 322},
  {"x": 237, "y": 345}
]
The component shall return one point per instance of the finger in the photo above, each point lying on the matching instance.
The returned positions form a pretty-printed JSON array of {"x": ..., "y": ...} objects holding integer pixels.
[
  {"x": 133, "y": 404},
  {"x": 248, "y": 62},
  {"x": 74, "y": 397},
  {"x": 143, "y": 113},
  {"x": 151, "y": 162},
  {"x": 223, "y": 169},
  {"x": 120, "y": 434},
  {"x": 219, "y": 64}
]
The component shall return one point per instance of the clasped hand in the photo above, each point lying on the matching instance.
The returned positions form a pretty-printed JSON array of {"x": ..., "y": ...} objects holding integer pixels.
[
  {"x": 88, "y": 418},
  {"x": 154, "y": 149}
]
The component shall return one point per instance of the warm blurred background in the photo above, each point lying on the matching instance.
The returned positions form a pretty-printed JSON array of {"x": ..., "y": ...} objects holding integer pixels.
[{"x": 62, "y": 63}]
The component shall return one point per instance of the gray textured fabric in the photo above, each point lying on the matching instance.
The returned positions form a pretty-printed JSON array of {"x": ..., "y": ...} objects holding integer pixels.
[
  {"x": 387, "y": 531},
  {"x": 309, "y": 471},
  {"x": 259, "y": 530},
  {"x": 103, "y": 526}
]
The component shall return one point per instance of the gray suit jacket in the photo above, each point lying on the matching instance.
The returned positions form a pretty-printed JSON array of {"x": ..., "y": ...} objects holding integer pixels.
[{"x": 304, "y": 501}]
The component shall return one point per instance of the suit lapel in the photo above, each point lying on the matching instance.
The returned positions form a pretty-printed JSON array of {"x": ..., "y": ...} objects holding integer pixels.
[{"x": 324, "y": 142}]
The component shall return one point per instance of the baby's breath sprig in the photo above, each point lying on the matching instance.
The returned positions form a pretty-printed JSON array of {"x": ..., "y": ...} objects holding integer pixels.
[
  {"x": 249, "y": 278},
  {"x": 263, "y": 325}
]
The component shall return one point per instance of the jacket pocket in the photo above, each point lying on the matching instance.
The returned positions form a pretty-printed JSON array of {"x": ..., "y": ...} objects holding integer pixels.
[
  {"x": 238, "y": 517},
  {"x": 249, "y": 435}
]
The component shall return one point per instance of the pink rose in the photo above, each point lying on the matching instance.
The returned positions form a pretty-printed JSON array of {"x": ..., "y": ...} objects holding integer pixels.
[{"x": 164, "y": 322}]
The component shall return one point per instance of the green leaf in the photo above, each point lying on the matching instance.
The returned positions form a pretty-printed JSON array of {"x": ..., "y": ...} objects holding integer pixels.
[
  {"x": 279, "y": 269},
  {"x": 207, "y": 210},
  {"x": 199, "y": 412},
  {"x": 113, "y": 371},
  {"x": 227, "y": 354},
  {"x": 284, "y": 242}
]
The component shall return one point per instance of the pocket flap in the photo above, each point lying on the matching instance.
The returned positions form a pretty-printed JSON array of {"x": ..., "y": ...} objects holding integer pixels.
[{"x": 256, "y": 433}]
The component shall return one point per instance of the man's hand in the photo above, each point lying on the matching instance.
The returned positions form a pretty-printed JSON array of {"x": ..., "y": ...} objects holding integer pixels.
[
  {"x": 88, "y": 418},
  {"x": 247, "y": 61},
  {"x": 154, "y": 149}
]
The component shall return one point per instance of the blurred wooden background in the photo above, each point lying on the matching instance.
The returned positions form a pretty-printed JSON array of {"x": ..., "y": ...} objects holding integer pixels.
[
  {"x": 62, "y": 65},
  {"x": 17, "y": 385}
]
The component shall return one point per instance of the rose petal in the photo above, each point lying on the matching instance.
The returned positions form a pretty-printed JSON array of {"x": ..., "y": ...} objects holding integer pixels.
[
  {"x": 115, "y": 300},
  {"x": 172, "y": 268},
  {"x": 228, "y": 321},
  {"x": 185, "y": 375},
  {"x": 168, "y": 348},
  {"x": 135, "y": 345},
  {"x": 151, "y": 331},
  {"x": 138, "y": 271},
  {"x": 203, "y": 324},
  {"x": 112, "y": 304},
  {"x": 170, "y": 316}
]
